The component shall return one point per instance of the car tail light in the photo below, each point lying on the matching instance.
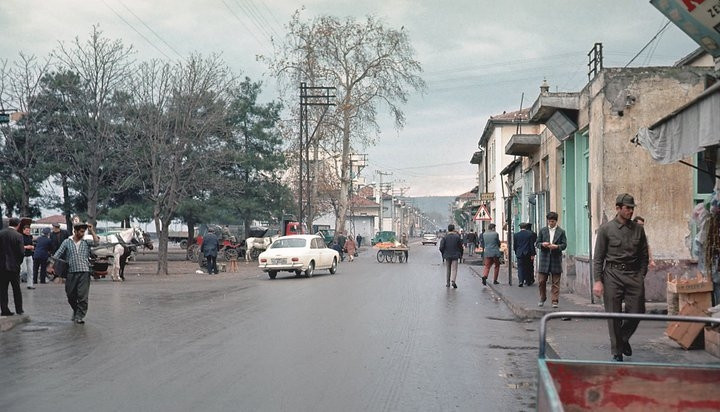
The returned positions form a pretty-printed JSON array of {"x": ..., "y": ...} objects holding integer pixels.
[
  {"x": 263, "y": 260},
  {"x": 295, "y": 259}
]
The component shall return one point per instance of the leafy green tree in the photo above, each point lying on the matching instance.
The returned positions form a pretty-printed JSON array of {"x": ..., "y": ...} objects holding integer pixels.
[
  {"x": 253, "y": 186},
  {"x": 93, "y": 146}
]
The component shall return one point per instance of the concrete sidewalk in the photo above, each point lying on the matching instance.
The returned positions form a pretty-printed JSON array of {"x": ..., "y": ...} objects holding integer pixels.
[{"x": 587, "y": 339}]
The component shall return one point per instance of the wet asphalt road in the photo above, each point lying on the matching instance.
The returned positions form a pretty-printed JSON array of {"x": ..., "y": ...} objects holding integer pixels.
[{"x": 373, "y": 337}]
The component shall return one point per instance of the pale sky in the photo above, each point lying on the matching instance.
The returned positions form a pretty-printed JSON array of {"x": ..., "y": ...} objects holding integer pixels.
[{"x": 478, "y": 57}]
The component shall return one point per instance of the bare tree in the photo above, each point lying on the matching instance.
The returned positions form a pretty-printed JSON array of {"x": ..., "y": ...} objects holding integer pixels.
[
  {"x": 371, "y": 65},
  {"x": 21, "y": 149},
  {"x": 179, "y": 117},
  {"x": 103, "y": 67}
]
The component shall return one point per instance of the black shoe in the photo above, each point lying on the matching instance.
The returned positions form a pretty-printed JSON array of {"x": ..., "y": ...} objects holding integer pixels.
[
  {"x": 454, "y": 285},
  {"x": 495, "y": 282},
  {"x": 20, "y": 312},
  {"x": 520, "y": 285},
  {"x": 484, "y": 280},
  {"x": 6, "y": 314},
  {"x": 627, "y": 350},
  {"x": 79, "y": 321},
  {"x": 447, "y": 285},
  {"x": 617, "y": 358}
]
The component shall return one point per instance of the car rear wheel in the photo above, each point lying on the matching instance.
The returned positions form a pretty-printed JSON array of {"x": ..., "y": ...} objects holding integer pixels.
[
  {"x": 311, "y": 268},
  {"x": 333, "y": 268},
  {"x": 272, "y": 274}
]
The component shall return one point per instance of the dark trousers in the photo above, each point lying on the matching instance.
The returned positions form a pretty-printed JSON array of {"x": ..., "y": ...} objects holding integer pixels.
[
  {"x": 619, "y": 287},
  {"x": 525, "y": 270},
  {"x": 6, "y": 279},
  {"x": 41, "y": 265},
  {"x": 211, "y": 264},
  {"x": 77, "y": 289}
]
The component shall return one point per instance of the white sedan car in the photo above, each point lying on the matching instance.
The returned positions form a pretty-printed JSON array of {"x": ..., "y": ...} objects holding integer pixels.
[{"x": 298, "y": 253}]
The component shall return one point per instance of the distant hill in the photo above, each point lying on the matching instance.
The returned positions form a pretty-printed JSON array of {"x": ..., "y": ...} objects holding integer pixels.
[{"x": 437, "y": 208}]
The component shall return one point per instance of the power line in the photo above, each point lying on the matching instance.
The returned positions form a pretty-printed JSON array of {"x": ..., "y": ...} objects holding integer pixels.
[
  {"x": 151, "y": 30},
  {"x": 253, "y": 19},
  {"x": 135, "y": 30},
  {"x": 648, "y": 43},
  {"x": 252, "y": 33},
  {"x": 262, "y": 18}
]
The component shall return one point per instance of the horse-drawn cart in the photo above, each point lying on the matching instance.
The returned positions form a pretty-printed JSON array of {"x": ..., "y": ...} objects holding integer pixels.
[{"x": 389, "y": 252}]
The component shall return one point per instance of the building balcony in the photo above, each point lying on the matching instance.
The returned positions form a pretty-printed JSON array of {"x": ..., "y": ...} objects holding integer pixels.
[{"x": 523, "y": 145}]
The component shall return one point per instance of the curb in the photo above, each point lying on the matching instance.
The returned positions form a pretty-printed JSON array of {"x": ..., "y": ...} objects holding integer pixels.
[{"x": 9, "y": 322}]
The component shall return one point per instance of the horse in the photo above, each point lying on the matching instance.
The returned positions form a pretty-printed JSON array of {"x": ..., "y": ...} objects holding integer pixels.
[
  {"x": 260, "y": 243},
  {"x": 120, "y": 245},
  {"x": 256, "y": 243}
]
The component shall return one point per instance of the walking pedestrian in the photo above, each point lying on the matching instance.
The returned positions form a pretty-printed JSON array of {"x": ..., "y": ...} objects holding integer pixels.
[
  {"x": 359, "y": 239},
  {"x": 471, "y": 242},
  {"x": 551, "y": 241},
  {"x": 452, "y": 251},
  {"x": 11, "y": 256},
  {"x": 350, "y": 248},
  {"x": 26, "y": 267},
  {"x": 41, "y": 255},
  {"x": 491, "y": 253},
  {"x": 76, "y": 251},
  {"x": 336, "y": 247},
  {"x": 524, "y": 248},
  {"x": 210, "y": 247},
  {"x": 620, "y": 263}
]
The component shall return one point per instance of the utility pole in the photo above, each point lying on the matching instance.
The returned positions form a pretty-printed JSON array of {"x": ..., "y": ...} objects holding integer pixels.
[
  {"x": 309, "y": 96},
  {"x": 379, "y": 198}
]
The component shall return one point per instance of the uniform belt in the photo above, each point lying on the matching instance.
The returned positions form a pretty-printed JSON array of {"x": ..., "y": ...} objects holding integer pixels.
[{"x": 625, "y": 266}]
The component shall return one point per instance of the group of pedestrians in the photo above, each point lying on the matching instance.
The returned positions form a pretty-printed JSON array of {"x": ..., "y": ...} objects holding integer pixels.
[
  {"x": 17, "y": 253},
  {"x": 620, "y": 263}
]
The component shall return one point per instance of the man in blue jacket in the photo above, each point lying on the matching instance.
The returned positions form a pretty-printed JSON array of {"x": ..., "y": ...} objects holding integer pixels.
[{"x": 524, "y": 247}]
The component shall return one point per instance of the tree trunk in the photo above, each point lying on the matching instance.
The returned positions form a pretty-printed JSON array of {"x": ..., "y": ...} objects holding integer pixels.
[
  {"x": 66, "y": 200},
  {"x": 92, "y": 192},
  {"x": 191, "y": 232},
  {"x": 25, "y": 200},
  {"x": 344, "y": 180},
  {"x": 161, "y": 227}
]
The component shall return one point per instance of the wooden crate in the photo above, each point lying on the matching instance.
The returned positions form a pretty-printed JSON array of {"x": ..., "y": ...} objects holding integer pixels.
[
  {"x": 692, "y": 285},
  {"x": 685, "y": 333},
  {"x": 702, "y": 300},
  {"x": 712, "y": 341}
]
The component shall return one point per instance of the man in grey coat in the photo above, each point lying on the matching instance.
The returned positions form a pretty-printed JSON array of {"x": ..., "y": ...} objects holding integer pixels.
[
  {"x": 551, "y": 241},
  {"x": 491, "y": 253}
]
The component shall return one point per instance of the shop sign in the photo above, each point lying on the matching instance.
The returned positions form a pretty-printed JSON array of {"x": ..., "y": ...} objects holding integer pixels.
[{"x": 699, "y": 19}]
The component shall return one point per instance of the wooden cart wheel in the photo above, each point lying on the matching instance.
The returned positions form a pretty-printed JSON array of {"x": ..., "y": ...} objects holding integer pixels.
[{"x": 380, "y": 256}]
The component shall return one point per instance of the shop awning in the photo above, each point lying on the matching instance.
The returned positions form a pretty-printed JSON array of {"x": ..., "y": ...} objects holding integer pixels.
[{"x": 686, "y": 131}]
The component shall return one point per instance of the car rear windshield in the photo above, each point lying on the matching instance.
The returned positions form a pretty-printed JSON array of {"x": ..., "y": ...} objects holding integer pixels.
[{"x": 283, "y": 243}]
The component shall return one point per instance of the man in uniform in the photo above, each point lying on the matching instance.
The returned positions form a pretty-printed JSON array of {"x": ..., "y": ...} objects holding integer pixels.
[{"x": 620, "y": 263}]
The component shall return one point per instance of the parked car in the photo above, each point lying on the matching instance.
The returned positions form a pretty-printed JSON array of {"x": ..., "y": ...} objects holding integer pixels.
[
  {"x": 384, "y": 236},
  {"x": 429, "y": 238},
  {"x": 299, "y": 254}
]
